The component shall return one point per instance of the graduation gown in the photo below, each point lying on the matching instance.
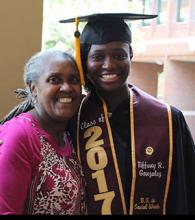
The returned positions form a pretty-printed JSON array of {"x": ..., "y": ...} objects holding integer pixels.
[{"x": 181, "y": 195}]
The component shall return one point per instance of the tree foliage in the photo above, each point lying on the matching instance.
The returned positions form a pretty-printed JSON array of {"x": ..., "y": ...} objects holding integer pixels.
[{"x": 60, "y": 35}]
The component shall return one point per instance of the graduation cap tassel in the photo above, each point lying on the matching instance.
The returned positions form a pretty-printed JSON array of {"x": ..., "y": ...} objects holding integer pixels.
[{"x": 78, "y": 51}]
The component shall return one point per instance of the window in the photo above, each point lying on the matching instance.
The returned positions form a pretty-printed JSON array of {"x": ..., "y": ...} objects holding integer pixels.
[
  {"x": 160, "y": 85},
  {"x": 182, "y": 10},
  {"x": 146, "y": 9},
  {"x": 193, "y": 10},
  {"x": 162, "y": 11}
]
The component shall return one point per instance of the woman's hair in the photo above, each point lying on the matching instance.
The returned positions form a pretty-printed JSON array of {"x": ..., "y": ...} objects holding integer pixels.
[
  {"x": 33, "y": 69},
  {"x": 85, "y": 48}
]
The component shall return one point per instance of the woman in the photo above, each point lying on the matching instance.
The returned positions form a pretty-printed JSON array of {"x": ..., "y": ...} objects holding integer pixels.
[
  {"x": 40, "y": 173},
  {"x": 137, "y": 152}
]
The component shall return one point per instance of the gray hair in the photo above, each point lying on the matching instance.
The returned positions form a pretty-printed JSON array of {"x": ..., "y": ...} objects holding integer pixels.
[{"x": 34, "y": 66}]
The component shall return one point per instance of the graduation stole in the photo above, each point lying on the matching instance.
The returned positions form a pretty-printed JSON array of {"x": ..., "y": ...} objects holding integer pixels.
[{"x": 151, "y": 156}]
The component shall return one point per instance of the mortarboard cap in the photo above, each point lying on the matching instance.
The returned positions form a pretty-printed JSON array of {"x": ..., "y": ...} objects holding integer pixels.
[{"x": 103, "y": 28}]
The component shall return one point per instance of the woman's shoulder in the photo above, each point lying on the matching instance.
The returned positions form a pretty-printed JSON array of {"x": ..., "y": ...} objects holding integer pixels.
[
  {"x": 18, "y": 137},
  {"x": 177, "y": 115},
  {"x": 18, "y": 126}
]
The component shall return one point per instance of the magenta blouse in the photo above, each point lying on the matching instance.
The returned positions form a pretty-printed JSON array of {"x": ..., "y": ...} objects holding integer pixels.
[{"x": 36, "y": 175}]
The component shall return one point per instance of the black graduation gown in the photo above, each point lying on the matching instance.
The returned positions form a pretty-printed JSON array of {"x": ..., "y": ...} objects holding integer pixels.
[{"x": 181, "y": 197}]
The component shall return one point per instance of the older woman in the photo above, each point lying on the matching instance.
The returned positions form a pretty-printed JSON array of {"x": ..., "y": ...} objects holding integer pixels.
[{"x": 40, "y": 173}]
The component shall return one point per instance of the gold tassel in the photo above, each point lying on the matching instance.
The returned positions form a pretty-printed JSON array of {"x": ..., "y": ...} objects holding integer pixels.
[{"x": 78, "y": 51}]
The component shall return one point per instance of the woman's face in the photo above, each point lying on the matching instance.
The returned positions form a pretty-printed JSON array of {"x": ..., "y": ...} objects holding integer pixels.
[
  {"x": 58, "y": 90},
  {"x": 108, "y": 66}
]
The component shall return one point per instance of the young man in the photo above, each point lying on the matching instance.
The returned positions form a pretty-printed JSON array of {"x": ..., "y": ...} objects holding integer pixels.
[{"x": 137, "y": 152}]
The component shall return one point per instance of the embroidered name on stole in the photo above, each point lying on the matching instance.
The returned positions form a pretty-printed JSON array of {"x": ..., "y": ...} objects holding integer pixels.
[
  {"x": 151, "y": 161},
  {"x": 152, "y": 149}
]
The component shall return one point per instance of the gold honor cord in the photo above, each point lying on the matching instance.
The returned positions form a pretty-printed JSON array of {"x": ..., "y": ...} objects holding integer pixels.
[
  {"x": 133, "y": 154},
  {"x": 170, "y": 158},
  {"x": 132, "y": 130},
  {"x": 78, "y": 130},
  {"x": 114, "y": 158}
]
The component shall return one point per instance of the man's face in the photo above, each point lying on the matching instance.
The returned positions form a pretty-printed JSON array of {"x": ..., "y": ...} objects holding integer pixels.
[{"x": 108, "y": 66}]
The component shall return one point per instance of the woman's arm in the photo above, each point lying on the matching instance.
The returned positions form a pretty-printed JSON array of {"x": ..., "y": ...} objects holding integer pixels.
[{"x": 15, "y": 168}]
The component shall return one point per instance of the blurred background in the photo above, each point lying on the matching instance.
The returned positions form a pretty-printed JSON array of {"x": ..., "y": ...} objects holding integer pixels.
[{"x": 164, "y": 48}]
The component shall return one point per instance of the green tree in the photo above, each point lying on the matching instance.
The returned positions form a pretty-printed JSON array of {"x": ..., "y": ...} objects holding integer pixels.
[{"x": 60, "y": 35}]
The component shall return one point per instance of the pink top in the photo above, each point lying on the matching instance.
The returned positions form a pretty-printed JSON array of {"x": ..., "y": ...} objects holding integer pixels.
[{"x": 36, "y": 175}]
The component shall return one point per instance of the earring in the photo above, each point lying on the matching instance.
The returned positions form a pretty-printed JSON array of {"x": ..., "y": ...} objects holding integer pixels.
[{"x": 34, "y": 100}]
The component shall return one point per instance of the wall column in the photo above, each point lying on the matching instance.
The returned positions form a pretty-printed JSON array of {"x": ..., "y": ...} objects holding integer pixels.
[
  {"x": 145, "y": 76},
  {"x": 180, "y": 90},
  {"x": 21, "y": 36}
]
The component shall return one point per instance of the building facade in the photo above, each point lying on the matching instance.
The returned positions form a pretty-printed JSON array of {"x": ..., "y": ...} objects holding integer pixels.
[{"x": 164, "y": 54}]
